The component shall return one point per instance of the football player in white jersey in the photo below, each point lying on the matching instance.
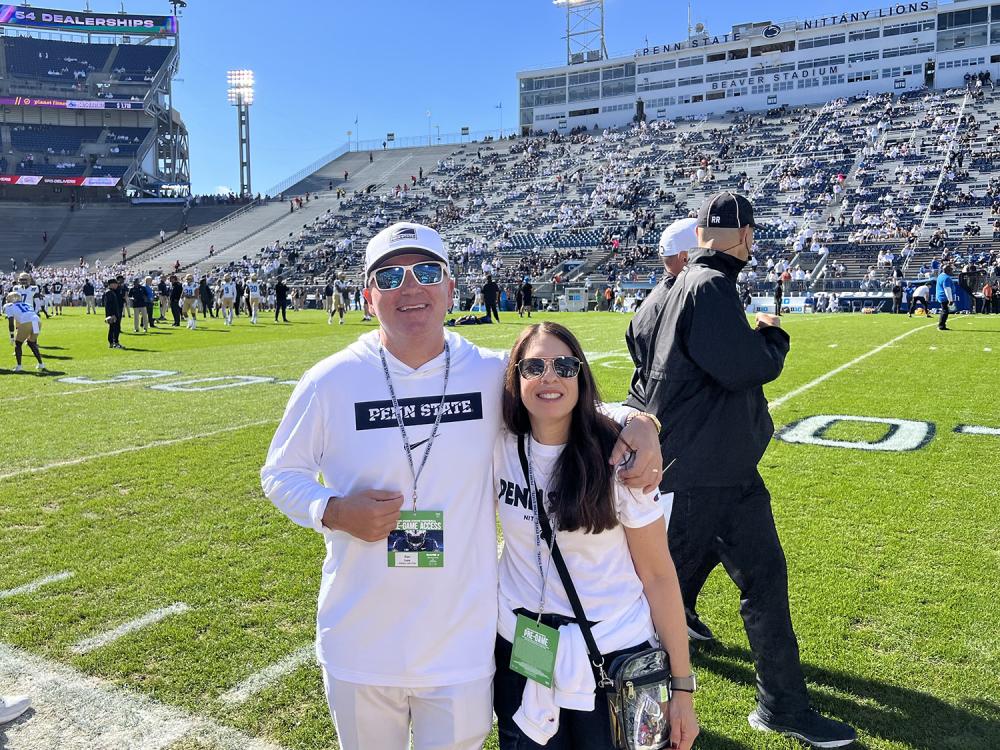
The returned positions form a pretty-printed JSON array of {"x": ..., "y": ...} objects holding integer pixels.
[
  {"x": 24, "y": 325},
  {"x": 253, "y": 291},
  {"x": 188, "y": 297},
  {"x": 228, "y": 299},
  {"x": 26, "y": 289},
  {"x": 341, "y": 297}
]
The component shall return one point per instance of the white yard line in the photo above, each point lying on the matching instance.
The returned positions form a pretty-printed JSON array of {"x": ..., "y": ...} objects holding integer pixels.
[
  {"x": 127, "y": 628},
  {"x": 73, "y": 711},
  {"x": 263, "y": 679},
  {"x": 964, "y": 429},
  {"x": 33, "y": 586},
  {"x": 132, "y": 449},
  {"x": 836, "y": 370}
]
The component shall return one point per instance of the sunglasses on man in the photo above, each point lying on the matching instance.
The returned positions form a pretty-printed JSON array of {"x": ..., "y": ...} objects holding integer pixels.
[
  {"x": 532, "y": 368},
  {"x": 426, "y": 272}
]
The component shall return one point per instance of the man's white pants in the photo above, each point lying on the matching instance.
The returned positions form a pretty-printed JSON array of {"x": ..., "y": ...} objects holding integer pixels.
[{"x": 368, "y": 717}]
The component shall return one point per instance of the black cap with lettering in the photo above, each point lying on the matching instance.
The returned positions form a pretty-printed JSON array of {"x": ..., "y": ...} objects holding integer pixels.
[{"x": 726, "y": 210}]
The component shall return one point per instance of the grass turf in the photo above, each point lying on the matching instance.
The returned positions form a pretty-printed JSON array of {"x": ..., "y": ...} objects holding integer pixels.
[{"x": 893, "y": 557}]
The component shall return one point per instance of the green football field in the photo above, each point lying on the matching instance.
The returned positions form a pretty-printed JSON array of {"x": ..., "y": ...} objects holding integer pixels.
[{"x": 150, "y": 596}]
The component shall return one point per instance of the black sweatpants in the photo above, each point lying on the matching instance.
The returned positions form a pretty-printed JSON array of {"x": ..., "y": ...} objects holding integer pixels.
[
  {"x": 492, "y": 309},
  {"x": 943, "y": 320},
  {"x": 149, "y": 314},
  {"x": 735, "y": 526},
  {"x": 281, "y": 306},
  {"x": 175, "y": 310},
  {"x": 114, "y": 331}
]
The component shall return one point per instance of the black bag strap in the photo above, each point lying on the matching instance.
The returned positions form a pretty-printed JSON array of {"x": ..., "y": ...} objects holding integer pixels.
[{"x": 596, "y": 659}]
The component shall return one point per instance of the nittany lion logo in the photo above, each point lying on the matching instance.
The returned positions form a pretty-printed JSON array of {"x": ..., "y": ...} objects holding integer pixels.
[{"x": 771, "y": 31}]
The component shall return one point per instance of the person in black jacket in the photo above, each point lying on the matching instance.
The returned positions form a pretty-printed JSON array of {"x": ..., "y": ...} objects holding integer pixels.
[
  {"x": 280, "y": 300},
  {"x": 114, "y": 309},
  {"x": 137, "y": 294},
  {"x": 700, "y": 369},
  {"x": 207, "y": 298},
  {"x": 239, "y": 295},
  {"x": 176, "y": 292},
  {"x": 491, "y": 298}
]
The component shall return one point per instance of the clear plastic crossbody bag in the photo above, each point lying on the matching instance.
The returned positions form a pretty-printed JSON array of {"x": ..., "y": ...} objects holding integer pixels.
[{"x": 638, "y": 700}]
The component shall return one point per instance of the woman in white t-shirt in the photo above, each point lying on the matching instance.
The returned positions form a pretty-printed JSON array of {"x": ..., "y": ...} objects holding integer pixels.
[{"x": 614, "y": 542}]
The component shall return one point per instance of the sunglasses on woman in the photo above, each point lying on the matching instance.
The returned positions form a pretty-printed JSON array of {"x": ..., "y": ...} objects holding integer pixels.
[
  {"x": 426, "y": 272},
  {"x": 534, "y": 367}
]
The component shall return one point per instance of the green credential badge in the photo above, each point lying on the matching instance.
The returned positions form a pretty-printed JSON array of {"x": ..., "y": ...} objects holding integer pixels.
[
  {"x": 418, "y": 540},
  {"x": 534, "y": 653}
]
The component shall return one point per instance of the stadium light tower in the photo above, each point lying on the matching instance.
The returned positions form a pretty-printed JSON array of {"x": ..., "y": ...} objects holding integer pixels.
[
  {"x": 584, "y": 30},
  {"x": 240, "y": 94}
]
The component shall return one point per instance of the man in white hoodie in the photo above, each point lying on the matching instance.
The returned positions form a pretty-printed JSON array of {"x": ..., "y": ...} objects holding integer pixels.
[{"x": 401, "y": 426}]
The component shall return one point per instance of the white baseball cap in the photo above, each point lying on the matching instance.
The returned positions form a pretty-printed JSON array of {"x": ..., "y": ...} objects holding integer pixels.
[
  {"x": 679, "y": 237},
  {"x": 403, "y": 238}
]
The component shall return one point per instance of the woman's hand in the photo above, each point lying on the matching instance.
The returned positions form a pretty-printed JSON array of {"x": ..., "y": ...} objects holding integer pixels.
[
  {"x": 641, "y": 436},
  {"x": 683, "y": 721}
]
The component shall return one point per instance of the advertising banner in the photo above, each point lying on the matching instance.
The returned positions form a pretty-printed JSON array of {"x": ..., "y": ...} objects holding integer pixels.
[
  {"x": 49, "y": 102},
  {"x": 23, "y": 179},
  {"x": 86, "y": 21}
]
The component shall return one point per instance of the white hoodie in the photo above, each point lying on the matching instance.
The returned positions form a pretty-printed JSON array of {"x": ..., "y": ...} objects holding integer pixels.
[{"x": 376, "y": 625}]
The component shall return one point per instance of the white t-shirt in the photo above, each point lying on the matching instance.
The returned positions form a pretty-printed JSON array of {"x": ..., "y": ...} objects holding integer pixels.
[
  {"x": 253, "y": 289},
  {"x": 228, "y": 290},
  {"x": 376, "y": 625},
  {"x": 190, "y": 290},
  {"x": 21, "y": 312},
  {"x": 600, "y": 564}
]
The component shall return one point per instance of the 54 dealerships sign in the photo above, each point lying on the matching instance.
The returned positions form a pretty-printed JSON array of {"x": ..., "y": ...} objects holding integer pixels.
[{"x": 86, "y": 21}]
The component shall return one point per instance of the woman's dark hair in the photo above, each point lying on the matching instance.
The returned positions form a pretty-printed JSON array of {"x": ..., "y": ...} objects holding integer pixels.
[{"x": 582, "y": 488}]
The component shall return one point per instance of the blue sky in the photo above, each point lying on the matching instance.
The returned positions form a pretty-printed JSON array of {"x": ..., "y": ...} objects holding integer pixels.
[{"x": 320, "y": 64}]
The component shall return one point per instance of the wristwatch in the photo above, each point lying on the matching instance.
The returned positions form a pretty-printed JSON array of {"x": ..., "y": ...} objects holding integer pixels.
[{"x": 687, "y": 684}]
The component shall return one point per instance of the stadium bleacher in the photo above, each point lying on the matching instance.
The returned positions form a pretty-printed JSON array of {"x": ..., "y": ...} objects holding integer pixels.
[
  {"x": 54, "y": 61},
  {"x": 139, "y": 63},
  {"x": 873, "y": 175}
]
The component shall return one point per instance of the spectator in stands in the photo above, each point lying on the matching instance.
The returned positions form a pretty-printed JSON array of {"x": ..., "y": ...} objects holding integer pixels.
[{"x": 715, "y": 429}]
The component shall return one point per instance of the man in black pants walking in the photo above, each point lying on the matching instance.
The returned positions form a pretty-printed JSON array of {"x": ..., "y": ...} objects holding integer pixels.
[
  {"x": 281, "y": 300},
  {"x": 176, "y": 292},
  {"x": 700, "y": 368},
  {"x": 114, "y": 308},
  {"x": 491, "y": 298}
]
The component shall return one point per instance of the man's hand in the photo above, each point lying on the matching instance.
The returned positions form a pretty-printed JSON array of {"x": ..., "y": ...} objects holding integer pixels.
[
  {"x": 765, "y": 320},
  {"x": 641, "y": 437},
  {"x": 369, "y": 515}
]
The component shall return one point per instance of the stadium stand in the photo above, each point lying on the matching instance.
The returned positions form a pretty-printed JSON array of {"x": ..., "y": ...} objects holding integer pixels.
[
  {"x": 54, "y": 61},
  {"x": 845, "y": 192}
]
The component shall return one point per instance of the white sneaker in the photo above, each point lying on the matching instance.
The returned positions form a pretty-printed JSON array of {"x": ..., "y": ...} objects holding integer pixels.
[
  {"x": 18, "y": 368},
  {"x": 341, "y": 321},
  {"x": 40, "y": 366},
  {"x": 12, "y": 706}
]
